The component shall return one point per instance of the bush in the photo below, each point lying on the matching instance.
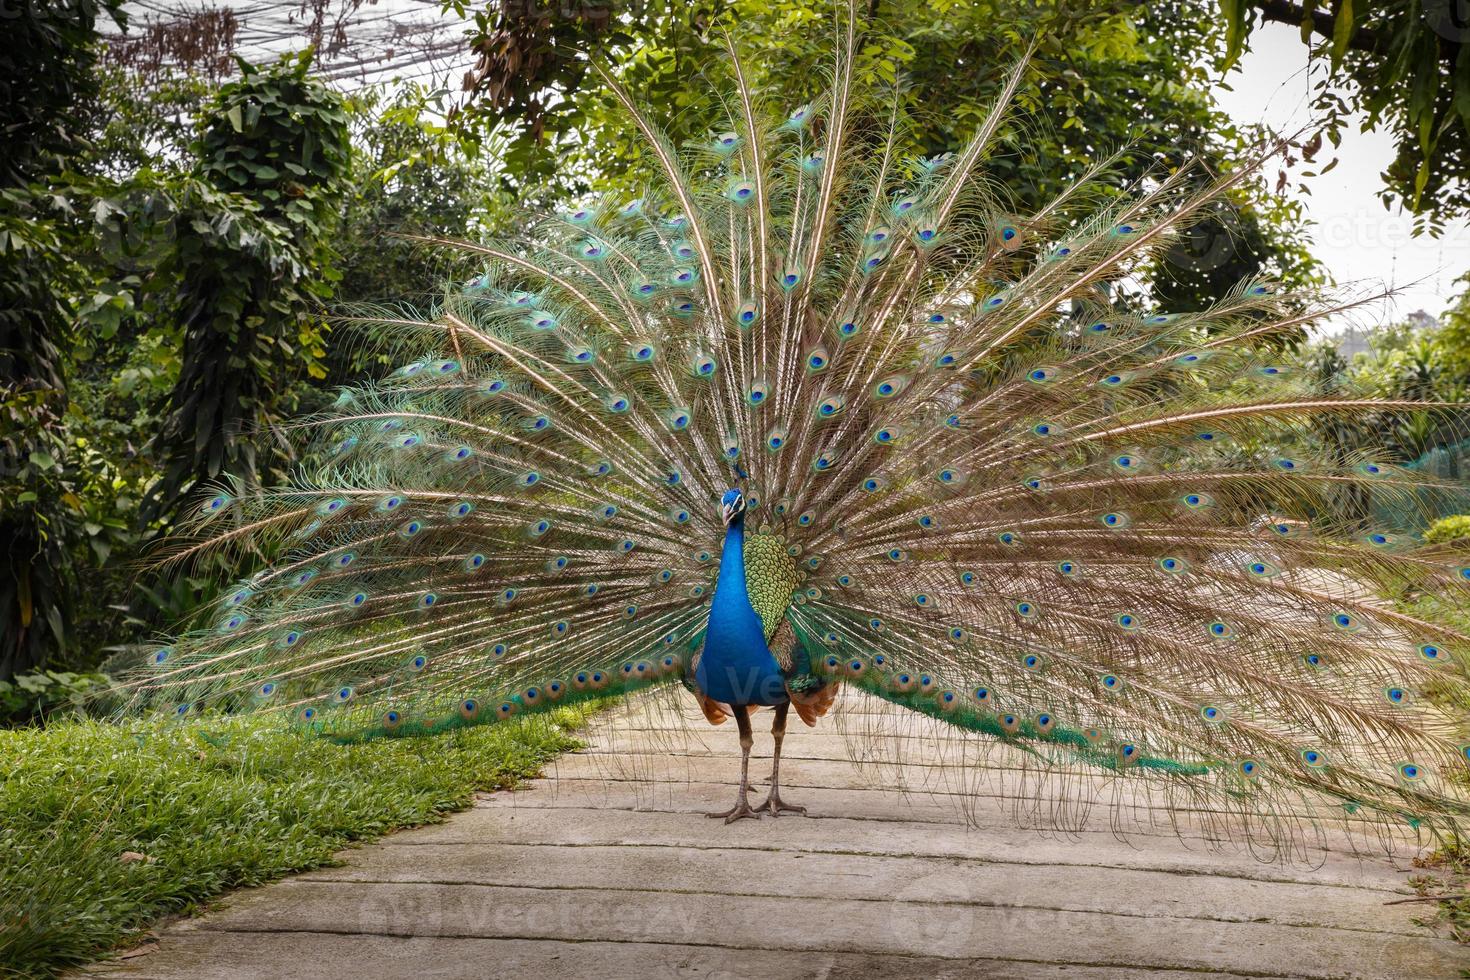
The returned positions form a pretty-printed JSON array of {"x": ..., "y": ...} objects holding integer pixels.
[
  {"x": 1453, "y": 528},
  {"x": 29, "y": 697}
]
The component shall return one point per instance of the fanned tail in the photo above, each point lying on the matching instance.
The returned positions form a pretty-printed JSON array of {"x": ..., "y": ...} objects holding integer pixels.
[{"x": 986, "y": 483}]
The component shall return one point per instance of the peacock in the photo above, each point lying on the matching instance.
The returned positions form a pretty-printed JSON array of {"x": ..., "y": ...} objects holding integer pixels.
[{"x": 809, "y": 414}]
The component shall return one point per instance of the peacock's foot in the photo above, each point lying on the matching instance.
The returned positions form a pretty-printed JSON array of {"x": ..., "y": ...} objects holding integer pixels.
[
  {"x": 736, "y": 812},
  {"x": 775, "y": 806}
]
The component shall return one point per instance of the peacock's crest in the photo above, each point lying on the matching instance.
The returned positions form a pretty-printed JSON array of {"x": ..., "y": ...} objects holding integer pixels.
[{"x": 993, "y": 489}]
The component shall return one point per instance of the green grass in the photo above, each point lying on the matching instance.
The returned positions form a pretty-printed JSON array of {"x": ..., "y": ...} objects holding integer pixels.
[{"x": 210, "y": 807}]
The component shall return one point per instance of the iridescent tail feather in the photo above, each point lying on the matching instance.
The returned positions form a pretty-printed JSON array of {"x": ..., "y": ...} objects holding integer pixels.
[{"x": 1011, "y": 501}]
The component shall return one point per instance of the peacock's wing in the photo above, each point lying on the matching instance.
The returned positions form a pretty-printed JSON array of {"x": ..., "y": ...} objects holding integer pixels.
[
  {"x": 812, "y": 691},
  {"x": 788, "y": 652},
  {"x": 986, "y": 481}
]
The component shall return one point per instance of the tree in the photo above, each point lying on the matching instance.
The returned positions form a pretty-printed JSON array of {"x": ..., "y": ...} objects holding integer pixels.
[
  {"x": 149, "y": 209},
  {"x": 1454, "y": 338},
  {"x": 411, "y": 179},
  {"x": 1402, "y": 64},
  {"x": 251, "y": 263},
  {"x": 1104, "y": 76},
  {"x": 47, "y": 75},
  {"x": 1412, "y": 360}
]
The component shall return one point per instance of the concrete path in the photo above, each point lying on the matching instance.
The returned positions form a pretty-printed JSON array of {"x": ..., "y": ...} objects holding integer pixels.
[{"x": 607, "y": 870}]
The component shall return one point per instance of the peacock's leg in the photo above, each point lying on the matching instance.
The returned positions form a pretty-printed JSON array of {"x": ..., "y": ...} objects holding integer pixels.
[
  {"x": 773, "y": 804},
  {"x": 741, "y": 807}
]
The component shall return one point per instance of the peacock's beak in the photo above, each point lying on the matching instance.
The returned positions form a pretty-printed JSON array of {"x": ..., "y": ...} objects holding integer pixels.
[{"x": 732, "y": 510}]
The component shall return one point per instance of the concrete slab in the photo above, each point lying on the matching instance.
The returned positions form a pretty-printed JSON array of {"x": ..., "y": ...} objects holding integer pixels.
[
  {"x": 304, "y": 956},
  {"x": 607, "y": 869}
]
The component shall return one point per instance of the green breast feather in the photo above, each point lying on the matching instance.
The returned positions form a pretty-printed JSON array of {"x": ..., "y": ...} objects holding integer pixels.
[{"x": 771, "y": 576}]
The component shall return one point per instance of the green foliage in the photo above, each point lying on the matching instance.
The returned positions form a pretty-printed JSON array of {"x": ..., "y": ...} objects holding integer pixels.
[
  {"x": 1406, "y": 361},
  {"x": 410, "y": 177},
  {"x": 26, "y": 697},
  {"x": 1415, "y": 361},
  {"x": 531, "y": 63},
  {"x": 105, "y": 827},
  {"x": 1105, "y": 76},
  {"x": 252, "y": 261},
  {"x": 145, "y": 126},
  {"x": 1453, "y": 528},
  {"x": 1403, "y": 65},
  {"x": 1453, "y": 338},
  {"x": 131, "y": 238},
  {"x": 47, "y": 79},
  {"x": 34, "y": 321}
]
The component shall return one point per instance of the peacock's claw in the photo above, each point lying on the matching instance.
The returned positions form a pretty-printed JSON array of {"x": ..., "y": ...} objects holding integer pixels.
[
  {"x": 736, "y": 812},
  {"x": 775, "y": 807}
]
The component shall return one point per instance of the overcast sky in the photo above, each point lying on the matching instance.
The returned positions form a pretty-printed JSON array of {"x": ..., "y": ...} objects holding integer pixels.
[{"x": 1355, "y": 237}]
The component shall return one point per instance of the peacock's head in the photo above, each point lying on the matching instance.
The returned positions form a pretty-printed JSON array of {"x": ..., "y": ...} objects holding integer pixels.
[{"x": 732, "y": 506}]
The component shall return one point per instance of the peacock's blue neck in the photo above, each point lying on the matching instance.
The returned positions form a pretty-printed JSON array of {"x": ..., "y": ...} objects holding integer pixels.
[
  {"x": 737, "y": 667},
  {"x": 730, "y": 592}
]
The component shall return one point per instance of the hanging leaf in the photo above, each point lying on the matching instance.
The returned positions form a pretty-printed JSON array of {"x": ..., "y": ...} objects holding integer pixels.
[
  {"x": 1308, "y": 21},
  {"x": 1234, "y": 12},
  {"x": 1342, "y": 32}
]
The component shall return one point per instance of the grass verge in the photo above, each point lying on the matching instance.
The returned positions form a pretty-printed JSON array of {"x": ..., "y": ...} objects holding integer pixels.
[{"x": 105, "y": 828}]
